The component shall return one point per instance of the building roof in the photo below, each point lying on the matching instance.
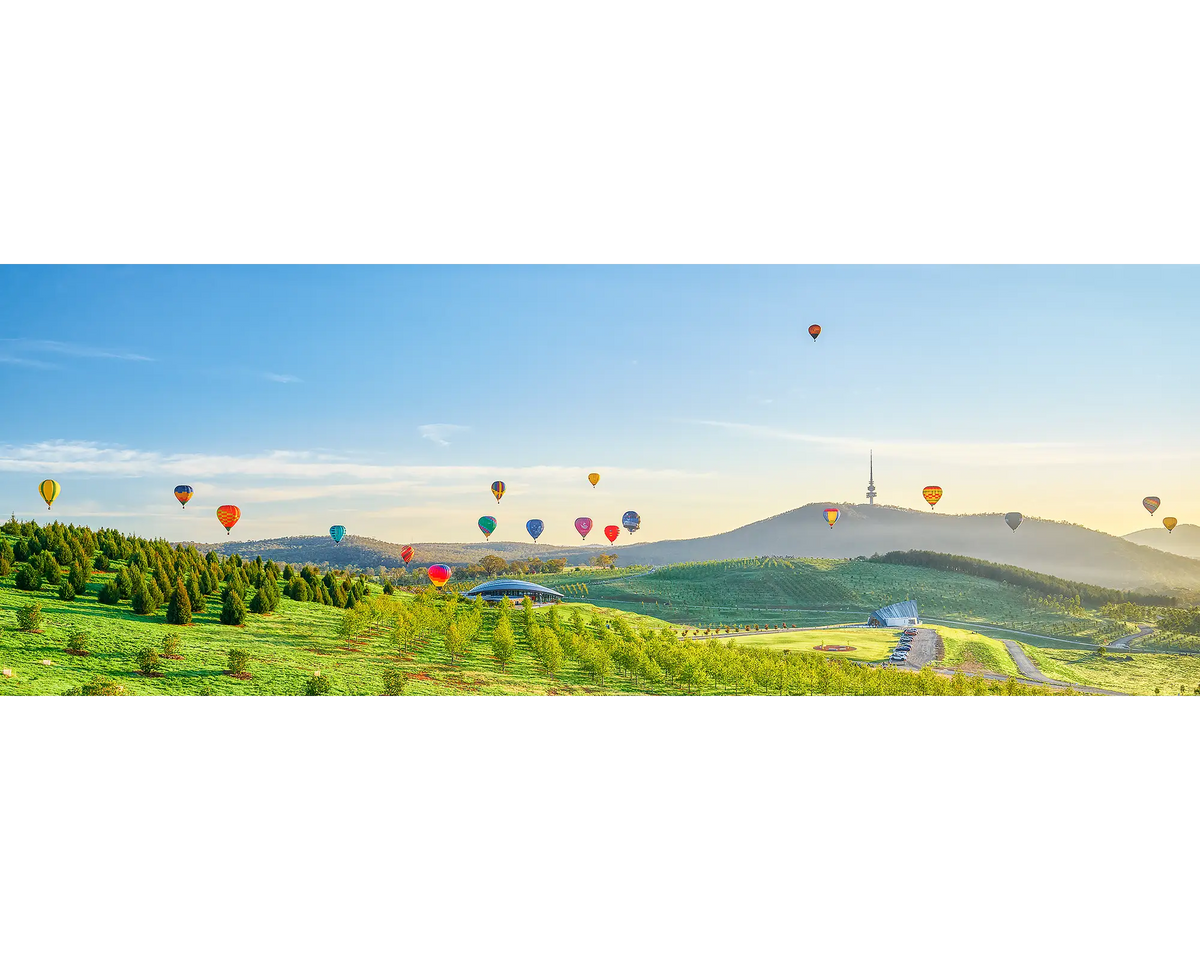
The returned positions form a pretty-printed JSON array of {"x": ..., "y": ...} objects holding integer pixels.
[
  {"x": 524, "y": 586},
  {"x": 904, "y": 610}
]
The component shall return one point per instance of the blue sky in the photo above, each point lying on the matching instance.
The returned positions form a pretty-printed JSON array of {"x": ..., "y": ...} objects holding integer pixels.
[{"x": 388, "y": 399}]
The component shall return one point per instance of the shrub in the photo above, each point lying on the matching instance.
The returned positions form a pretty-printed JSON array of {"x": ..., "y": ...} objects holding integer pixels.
[
  {"x": 147, "y": 660},
  {"x": 233, "y": 611},
  {"x": 103, "y": 564},
  {"x": 317, "y": 686},
  {"x": 29, "y": 577},
  {"x": 77, "y": 642},
  {"x": 394, "y": 682},
  {"x": 66, "y": 591},
  {"x": 179, "y": 610},
  {"x": 29, "y": 617},
  {"x": 239, "y": 660},
  {"x": 97, "y": 687},
  {"x": 110, "y": 593},
  {"x": 171, "y": 645}
]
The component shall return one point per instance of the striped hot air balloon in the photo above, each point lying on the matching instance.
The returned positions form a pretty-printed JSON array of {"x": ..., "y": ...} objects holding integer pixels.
[
  {"x": 49, "y": 491},
  {"x": 183, "y": 493},
  {"x": 932, "y": 495},
  {"x": 439, "y": 573},
  {"x": 406, "y": 554},
  {"x": 337, "y": 531},
  {"x": 228, "y": 514},
  {"x": 498, "y": 489},
  {"x": 488, "y": 526},
  {"x": 1152, "y": 504}
]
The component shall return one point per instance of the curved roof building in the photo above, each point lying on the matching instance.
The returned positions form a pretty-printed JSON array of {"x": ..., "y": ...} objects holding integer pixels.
[
  {"x": 495, "y": 589},
  {"x": 902, "y": 614}
]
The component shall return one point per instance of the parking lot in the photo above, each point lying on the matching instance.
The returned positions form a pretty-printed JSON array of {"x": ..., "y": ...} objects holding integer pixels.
[{"x": 915, "y": 647}]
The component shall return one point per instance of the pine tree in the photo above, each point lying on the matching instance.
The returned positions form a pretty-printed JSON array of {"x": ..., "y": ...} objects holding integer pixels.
[
  {"x": 179, "y": 610},
  {"x": 233, "y": 610}
]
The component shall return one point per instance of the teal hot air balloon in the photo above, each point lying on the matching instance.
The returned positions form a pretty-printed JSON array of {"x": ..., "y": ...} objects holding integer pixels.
[
  {"x": 488, "y": 526},
  {"x": 337, "y": 531},
  {"x": 535, "y": 528}
]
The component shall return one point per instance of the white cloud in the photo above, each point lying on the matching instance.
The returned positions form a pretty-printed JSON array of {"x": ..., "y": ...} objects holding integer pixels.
[
  {"x": 26, "y": 362},
  {"x": 438, "y": 432},
  {"x": 74, "y": 349},
  {"x": 984, "y": 454},
  {"x": 283, "y": 378}
]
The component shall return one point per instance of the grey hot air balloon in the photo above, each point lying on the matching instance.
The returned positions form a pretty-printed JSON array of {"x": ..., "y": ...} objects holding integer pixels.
[{"x": 1013, "y": 520}]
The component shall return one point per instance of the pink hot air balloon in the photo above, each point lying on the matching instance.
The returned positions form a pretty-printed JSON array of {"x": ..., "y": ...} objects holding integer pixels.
[{"x": 584, "y": 526}]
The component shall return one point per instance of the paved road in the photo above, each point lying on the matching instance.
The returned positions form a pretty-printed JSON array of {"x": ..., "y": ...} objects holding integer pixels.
[
  {"x": 1024, "y": 664},
  {"x": 1124, "y": 642}
]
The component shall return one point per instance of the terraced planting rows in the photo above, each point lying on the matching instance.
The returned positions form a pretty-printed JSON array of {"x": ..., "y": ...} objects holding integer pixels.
[{"x": 777, "y": 590}]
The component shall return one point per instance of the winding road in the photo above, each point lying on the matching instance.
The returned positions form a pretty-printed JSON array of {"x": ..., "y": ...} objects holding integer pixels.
[{"x": 1124, "y": 642}]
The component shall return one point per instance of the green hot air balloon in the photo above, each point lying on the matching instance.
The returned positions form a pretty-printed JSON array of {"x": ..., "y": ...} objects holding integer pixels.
[{"x": 488, "y": 526}]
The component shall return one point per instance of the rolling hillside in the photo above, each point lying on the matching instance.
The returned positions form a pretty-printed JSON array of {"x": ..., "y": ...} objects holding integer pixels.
[
  {"x": 1184, "y": 541},
  {"x": 1061, "y": 549}
]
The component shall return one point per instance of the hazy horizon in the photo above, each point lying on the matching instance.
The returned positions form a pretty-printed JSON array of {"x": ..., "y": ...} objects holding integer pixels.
[{"x": 389, "y": 399}]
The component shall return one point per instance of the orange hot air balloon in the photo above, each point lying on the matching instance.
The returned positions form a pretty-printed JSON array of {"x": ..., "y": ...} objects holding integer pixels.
[
  {"x": 406, "y": 554},
  {"x": 439, "y": 573},
  {"x": 814, "y": 331},
  {"x": 831, "y": 515},
  {"x": 593, "y": 478},
  {"x": 1170, "y": 523},
  {"x": 228, "y": 514},
  {"x": 612, "y": 531},
  {"x": 932, "y": 495}
]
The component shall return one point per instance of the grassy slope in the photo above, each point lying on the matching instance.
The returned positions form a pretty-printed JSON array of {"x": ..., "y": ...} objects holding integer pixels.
[
  {"x": 285, "y": 648},
  {"x": 969, "y": 651},
  {"x": 777, "y": 591},
  {"x": 870, "y": 645},
  {"x": 1141, "y": 673}
]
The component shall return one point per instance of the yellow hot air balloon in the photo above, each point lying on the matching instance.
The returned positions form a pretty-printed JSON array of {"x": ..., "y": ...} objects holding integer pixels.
[
  {"x": 1170, "y": 523},
  {"x": 49, "y": 490},
  {"x": 594, "y": 478}
]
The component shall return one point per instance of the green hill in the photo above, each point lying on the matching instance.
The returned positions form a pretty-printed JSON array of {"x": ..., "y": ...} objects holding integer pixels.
[{"x": 776, "y": 591}]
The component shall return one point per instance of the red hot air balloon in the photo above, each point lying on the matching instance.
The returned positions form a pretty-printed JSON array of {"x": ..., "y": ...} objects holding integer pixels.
[
  {"x": 932, "y": 495},
  {"x": 228, "y": 514},
  {"x": 612, "y": 531},
  {"x": 439, "y": 573},
  {"x": 584, "y": 526},
  {"x": 406, "y": 554},
  {"x": 814, "y": 331}
]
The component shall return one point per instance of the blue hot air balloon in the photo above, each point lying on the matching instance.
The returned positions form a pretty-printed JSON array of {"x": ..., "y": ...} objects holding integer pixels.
[
  {"x": 337, "y": 532},
  {"x": 535, "y": 528},
  {"x": 631, "y": 521}
]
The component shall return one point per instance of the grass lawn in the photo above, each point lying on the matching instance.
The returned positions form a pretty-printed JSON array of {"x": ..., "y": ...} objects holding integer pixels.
[
  {"x": 870, "y": 645},
  {"x": 1141, "y": 673}
]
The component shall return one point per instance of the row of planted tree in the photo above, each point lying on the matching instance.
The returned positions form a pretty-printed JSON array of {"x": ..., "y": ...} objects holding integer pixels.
[{"x": 567, "y": 645}]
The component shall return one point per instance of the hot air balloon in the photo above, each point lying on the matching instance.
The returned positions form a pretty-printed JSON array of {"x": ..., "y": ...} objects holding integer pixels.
[
  {"x": 183, "y": 493},
  {"x": 228, "y": 514},
  {"x": 406, "y": 554},
  {"x": 1013, "y": 520},
  {"x": 535, "y": 528},
  {"x": 1170, "y": 523},
  {"x": 584, "y": 526},
  {"x": 337, "y": 531},
  {"x": 814, "y": 331},
  {"x": 932, "y": 495},
  {"x": 631, "y": 521},
  {"x": 49, "y": 490},
  {"x": 1152, "y": 504},
  {"x": 831, "y": 515},
  {"x": 439, "y": 573},
  {"x": 488, "y": 526},
  {"x": 594, "y": 478},
  {"x": 498, "y": 489},
  {"x": 612, "y": 531}
]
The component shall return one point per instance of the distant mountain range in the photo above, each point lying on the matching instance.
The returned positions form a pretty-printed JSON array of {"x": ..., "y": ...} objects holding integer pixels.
[
  {"x": 1060, "y": 549},
  {"x": 1184, "y": 540}
]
